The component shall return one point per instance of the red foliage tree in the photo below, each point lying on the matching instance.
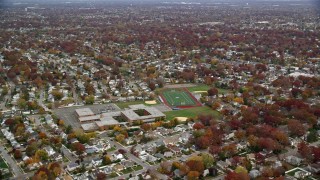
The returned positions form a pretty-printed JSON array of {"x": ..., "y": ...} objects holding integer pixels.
[
  {"x": 198, "y": 126},
  {"x": 101, "y": 176},
  {"x": 296, "y": 128},
  {"x": 237, "y": 176},
  {"x": 203, "y": 142},
  {"x": 195, "y": 166},
  {"x": 215, "y": 150},
  {"x": 267, "y": 143},
  {"x": 305, "y": 151},
  {"x": 316, "y": 154},
  {"x": 213, "y": 92},
  {"x": 78, "y": 147}
]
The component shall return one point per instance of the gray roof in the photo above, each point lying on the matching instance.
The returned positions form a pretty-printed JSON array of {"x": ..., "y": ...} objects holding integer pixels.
[
  {"x": 107, "y": 119},
  {"x": 89, "y": 126},
  {"x": 84, "y": 112},
  {"x": 153, "y": 113}
]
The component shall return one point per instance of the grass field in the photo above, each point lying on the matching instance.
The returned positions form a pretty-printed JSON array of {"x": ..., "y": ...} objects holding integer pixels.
[
  {"x": 191, "y": 112},
  {"x": 177, "y": 97},
  {"x": 204, "y": 87},
  {"x": 201, "y": 87}
]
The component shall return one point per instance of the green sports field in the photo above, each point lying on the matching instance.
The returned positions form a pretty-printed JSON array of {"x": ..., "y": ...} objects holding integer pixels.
[{"x": 178, "y": 97}]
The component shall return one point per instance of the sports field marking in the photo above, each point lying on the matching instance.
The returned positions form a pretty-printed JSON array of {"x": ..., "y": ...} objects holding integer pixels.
[{"x": 178, "y": 98}]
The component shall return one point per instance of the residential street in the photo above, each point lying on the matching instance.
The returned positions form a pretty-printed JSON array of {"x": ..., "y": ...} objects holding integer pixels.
[
  {"x": 40, "y": 101},
  {"x": 131, "y": 157},
  {"x": 68, "y": 154},
  {"x": 7, "y": 98},
  {"x": 14, "y": 167}
]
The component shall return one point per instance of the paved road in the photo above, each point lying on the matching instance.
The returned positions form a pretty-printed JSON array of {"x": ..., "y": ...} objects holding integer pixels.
[
  {"x": 76, "y": 98},
  {"x": 7, "y": 98},
  {"x": 12, "y": 163},
  {"x": 40, "y": 101},
  {"x": 134, "y": 158},
  {"x": 68, "y": 154},
  {"x": 23, "y": 176},
  {"x": 125, "y": 176}
]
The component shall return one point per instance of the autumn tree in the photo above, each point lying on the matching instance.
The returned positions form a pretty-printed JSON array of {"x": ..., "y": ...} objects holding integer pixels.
[
  {"x": 120, "y": 138},
  {"x": 237, "y": 176},
  {"x": 305, "y": 151},
  {"x": 54, "y": 169},
  {"x": 78, "y": 147},
  {"x": 101, "y": 176},
  {"x": 213, "y": 92},
  {"x": 196, "y": 165},
  {"x": 203, "y": 142},
  {"x": 193, "y": 175},
  {"x": 296, "y": 128},
  {"x": 106, "y": 160},
  {"x": 17, "y": 154}
]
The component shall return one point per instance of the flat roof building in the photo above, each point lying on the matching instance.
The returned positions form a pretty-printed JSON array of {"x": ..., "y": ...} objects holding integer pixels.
[
  {"x": 90, "y": 121},
  {"x": 84, "y": 112}
]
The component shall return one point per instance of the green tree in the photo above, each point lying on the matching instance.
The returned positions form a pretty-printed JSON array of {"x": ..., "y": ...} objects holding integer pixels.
[
  {"x": 22, "y": 103},
  {"x": 57, "y": 95},
  {"x": 208, "y": 160},
  {"x": 5, "y": 90},
  {"x": 120, "y": 138},
  {"x": 241, "y": 169},
  {"x": 312, "y": 136},
  {"x": 69, "y": 129},
  {"x": 42, "y": 154},
  {"x": 83, "y": 138},
  {"x": 89, "y": 99},
  {"x": 31, "y": 149}
]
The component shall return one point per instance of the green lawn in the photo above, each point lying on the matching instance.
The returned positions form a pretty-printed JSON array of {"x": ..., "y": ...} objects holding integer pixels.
[
  {"x": 177, "y": 97},
  {"x": 112, "y": 149},
  {"x": 127, "y": 170},
  {"x": 191, "y": 112},
  {"x": 123, "y": 105},
  {"x": 137, "y": 168},
  {"x": 204, "y": 87},
  {"x": 201, "y": 87},
  {"x": 3, "y": 164}
]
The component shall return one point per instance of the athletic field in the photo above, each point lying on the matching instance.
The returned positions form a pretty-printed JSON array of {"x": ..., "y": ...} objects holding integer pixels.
[{"x": 180, "y": 98}]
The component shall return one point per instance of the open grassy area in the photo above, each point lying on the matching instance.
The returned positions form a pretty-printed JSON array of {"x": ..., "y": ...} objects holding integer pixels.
[
  {"x": 191, "y": 112},
  {"x": 178, "y": 97},
  {"x": 203, "y": 87},
  {"x": 123, "y": 105}
]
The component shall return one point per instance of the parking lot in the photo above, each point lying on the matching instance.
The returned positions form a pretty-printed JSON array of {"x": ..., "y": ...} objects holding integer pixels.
[{"x": 69, "y": 116}]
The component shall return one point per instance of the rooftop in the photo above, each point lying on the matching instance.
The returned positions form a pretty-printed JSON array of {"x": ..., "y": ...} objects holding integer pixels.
[
  {"x": 89, "y": 126},
  {"x": 84, "y": 112}
]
